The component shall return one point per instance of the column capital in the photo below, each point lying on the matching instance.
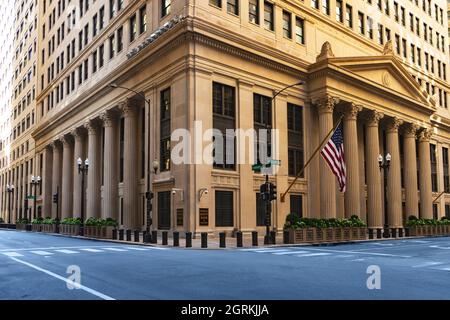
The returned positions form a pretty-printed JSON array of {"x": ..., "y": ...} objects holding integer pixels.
[
  {"x": 108, "y": 118},
  {"x": 55, "y": 144},
  {"x": 92, "y": 126},
  {"x": 410, "y": 130},
  {"x": 393, "y": 124},
  {"x": 351, "y": 111},
  {"x": 128, "y": 110},
  {"x": 78, "y": 133},
  {"x": 66, "y": 140},
  {"x": 425, "y": 135},
  {"x": 326, "y": 103},
  {"x": 373, "y": 117}
]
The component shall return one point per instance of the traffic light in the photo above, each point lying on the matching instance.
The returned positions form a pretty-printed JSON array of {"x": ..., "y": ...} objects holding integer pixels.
[
  {"x": 263, "y": 191},
  {"x": 55, "y": 198},
  {"x": 149, "y": 197},
  {"x": 272, "y": 192}
]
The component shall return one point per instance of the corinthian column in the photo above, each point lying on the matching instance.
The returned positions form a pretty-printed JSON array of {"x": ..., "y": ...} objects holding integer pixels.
[
  {"x": 56, "y": 176},
  {"x": 352, "y": 197},
  {"x": 109, "y": 169},
  {"x": 67, "y": 183},
  {"x": 130, "y": 191},
  {"x": 410, "y": 170},
  {"x": 79, "y": 135},
  {"x": 394, "y": 184},
  {"x": 47, "y": 182},
  {"x": 325, "y": 106},
  {"x": 374, "y": 208},
  {"x": 93, "y": 176},
  {"x": 426, "y": 201}
]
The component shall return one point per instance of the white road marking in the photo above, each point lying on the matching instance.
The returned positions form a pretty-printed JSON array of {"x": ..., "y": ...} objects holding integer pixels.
[
  {"x": 67, "y": 251},
  {"x": 50, "y": 248},
  {"x": 114, "y": 249},
  {"x": 361, "y": 252},
  {"x": 313, "y": 254},
  {"x": 140, "y": 249},
  {"x": 427, "y": 264},
  {"x": 444, "y": 269},
  {"x": 383, "y": 244},
  {"x": 270, "y": 251},
  {"x": 12, "y": 254},
  {"x": 289, "y": 252},
  {"x": 92, "y": 250},
  {"x": 344, "y": 256},
  {"x": 42, "y": 253},
  {"x": 439, "y": 247},
  {"x": 361, "y": 259},
  {"x": 84, "y": 288}
]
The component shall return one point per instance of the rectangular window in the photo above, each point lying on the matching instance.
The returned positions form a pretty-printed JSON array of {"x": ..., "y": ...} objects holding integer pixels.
[
  {"x": 361, "y": 23},
  {"x": 112, "y": 8},
  {"x": 253, "y": 11},
  {"x": 268, "y": 15},
  {"x": 86, "y": 34},
  {"x": 411, "y": 22},
  {"x": 380, "y": 34},
  {"x": 142, "y": 19},
  {"x": 94, "y": 62},
  {"x": 296, "y": 205},
  {"x": 386, "y": 7},
  {"x": 119, "y": 39},
  {"x": 396, "y": 16},
  {"x": 295, "y": 139},
  {"x": 413, "y": 53},
  {"x": 348, "y": 16},
  {"x": 133, "y": 28},
  {"x": 262, "y": 124},
  {"x": 339, "y": 13},
  {"x": 418, "y": 26},
  {"x": 433, "y": 160},
  {"x": 224, "y": 209},
  {"x": 94, "y": 25},
  {"x": 404, "y": 48},
  {"x": 233, "y": 6},
  {"x": 403, "y": 16},
  {"x": 165, "y": 7},
  {"x": 101, "y": 19},
  {"x": 287, "y": 30},
  {"x": 419, "y": 57},
  {"x": 326, "y": 7},
  {"x": 112, "y": 46},
  {"x": 86, "y": 68},
  {"x": 165, "y": 130},
  {"x": 315, "y": 4},
  {"x": 447, "y": 210},
  {"x": 370, "y": 27},
  {"x": 299, "y": 30},
  {"x": 217, "y": 3},
  {"x": 101, "y": 55},
  {"x": 224, "y": 118}
]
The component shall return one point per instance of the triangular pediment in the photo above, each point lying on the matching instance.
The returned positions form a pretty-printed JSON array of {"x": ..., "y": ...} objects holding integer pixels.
[{"x": 385, "y": 72}]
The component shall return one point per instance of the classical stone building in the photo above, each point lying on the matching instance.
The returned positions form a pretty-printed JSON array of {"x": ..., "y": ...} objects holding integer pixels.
[{"x": 380, "y": 66}]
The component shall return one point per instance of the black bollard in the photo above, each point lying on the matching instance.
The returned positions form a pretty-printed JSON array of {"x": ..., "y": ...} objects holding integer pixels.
[
  {"x": 154, "y": 236},
  {"x": 394, "y": 232},
  {"x": 128, "y": 235},
  {"x": 188, "y": 239},
  {"x": 222, "y": 243},
  {"x": 164, "y": 238},
  {"x": 400, "y": 232},
  {"x": 286, "y": 237},
  {"x": 370, "y": 233},
  {"x": 136, "y": 235},
  {"x": 114, "y": 234},
  {"x": 406, "y": 232},
  {"x": 121, "y": 234},
  {"x": 239, "y": 239},
  {"x": 255, "y": 238},
  {"x": 273, "y": 237},
  {"x": 147, "y": 237},
  {"x": 176, "y": 239},
  {"x": 378, "y": 233},
  {"x": 204, "y": 240}
]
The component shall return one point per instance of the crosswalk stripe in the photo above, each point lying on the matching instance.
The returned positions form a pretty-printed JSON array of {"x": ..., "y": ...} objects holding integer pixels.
[
  {"x": 42, "y": 253},
  {"x": 270, "y": 251},
  {"x": 12, "y": 254},
  {"x": 313, "y": 254},
  {"x": 344, "y": 256},
  {"x": 114, "y": 249},
  {"x": 138, "y": 249},
  {"x": 92, "y": 250},
  {"x": 289, "y": 252},
  {"x": 67, "y": 251},
  {"x": 445, "y": 268},
  {"x": 427, "y": 264}
]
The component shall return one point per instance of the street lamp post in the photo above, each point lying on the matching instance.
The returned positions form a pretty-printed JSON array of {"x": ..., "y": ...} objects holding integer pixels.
[
  {"x": 384, "y": 164},
  {"x": 10, "y": 190},
  {"x": 148, "y": 193},
  {"x": 83, "y": 170},
  {"x": 35, "y": 182}
]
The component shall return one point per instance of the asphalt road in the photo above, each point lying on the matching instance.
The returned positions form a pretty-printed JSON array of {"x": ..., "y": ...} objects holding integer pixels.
[{"x": 36, "y": 266}]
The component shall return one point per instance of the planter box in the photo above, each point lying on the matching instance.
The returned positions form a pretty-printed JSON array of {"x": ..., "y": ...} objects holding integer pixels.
[
  {"x": 49, "y": 228},
  {"x": 21, "y": 226},
  {"x": 296, "y": 235},
  {"x": 329, "y": 234},
  {"x": 104, "y": 232},
  {"x": 337, "y": 234},
  {"x": 70, "y": 229},
  {"x": 319, "y": 235},
  {"x": 362, "y": 233},
  {"x": 310, "y": 234},
  {"x": 36, "y": 227}
]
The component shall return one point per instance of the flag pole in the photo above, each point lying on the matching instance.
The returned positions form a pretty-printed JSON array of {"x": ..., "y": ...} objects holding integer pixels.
[{"x": 283, "y": 195}]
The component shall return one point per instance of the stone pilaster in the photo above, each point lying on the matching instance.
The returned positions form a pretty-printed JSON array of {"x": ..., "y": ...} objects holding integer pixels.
[
  {"x": 394, "y": 185},
  {"x": 410, "y": 170},
  {"x": 93, "y": 176},
  {"x": 352, "y": 193},
  {"x": 67, "y": 177},
  {"x": 110, "y": 184},
  {"x": 374, "y": 208},
  {"x": 47, "y": 182},
  {"x": 426, "y": 199},
  {"x": 325, "y": 107}
]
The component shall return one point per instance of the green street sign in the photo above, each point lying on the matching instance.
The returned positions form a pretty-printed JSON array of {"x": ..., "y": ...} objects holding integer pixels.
[
  {"x": 275, "y": 162},
  {"x": 30, "y": 197}
]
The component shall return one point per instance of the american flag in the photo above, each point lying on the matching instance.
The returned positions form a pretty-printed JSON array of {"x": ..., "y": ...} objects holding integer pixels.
[{"x": 333, "y": 153}]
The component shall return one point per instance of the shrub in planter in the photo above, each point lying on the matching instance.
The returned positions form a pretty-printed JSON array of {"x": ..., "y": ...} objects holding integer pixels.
[
  {"x": 100, "y": 228},
  {"x": 21, "y": 224},
  {"x": 70, "y": 226}
]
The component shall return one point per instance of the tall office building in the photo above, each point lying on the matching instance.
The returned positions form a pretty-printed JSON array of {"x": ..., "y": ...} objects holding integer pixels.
[
  {"x": 380, "y": 66},
  {"x": 7, "y": 13}
]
